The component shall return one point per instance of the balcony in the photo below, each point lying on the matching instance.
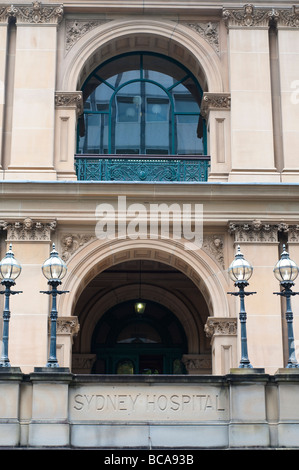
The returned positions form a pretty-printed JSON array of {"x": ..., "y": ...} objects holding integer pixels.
[{"x": 139, "y": 168}]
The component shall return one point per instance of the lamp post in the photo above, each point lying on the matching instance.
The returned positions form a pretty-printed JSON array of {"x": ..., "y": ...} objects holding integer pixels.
[
  {"x": 240, "y": 272},
  {"x": 54, "y": 269},
  {"x": 10, "y": 269},
  {"x": 286, "y": 272}
]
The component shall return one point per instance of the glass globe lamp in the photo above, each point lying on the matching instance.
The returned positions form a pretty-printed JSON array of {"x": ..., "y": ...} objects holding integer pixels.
[
  {"x": 10, "y": 268},
  {"x": 285, "y": 270},
  {"x": 240, "y": 270},
  {"x": 54, "y": 268},
  {"x": 140, "y": 307}
]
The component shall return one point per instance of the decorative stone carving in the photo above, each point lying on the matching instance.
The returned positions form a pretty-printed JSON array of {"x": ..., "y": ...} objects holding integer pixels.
[
  {"x": 220, "y": 326},
  {"x": 69, "y": 99},
  {"x": 208, "y": 31},
  {"x": 197, "y": 363},
  {"x": 28, "y": 230},
  {"x": 6, "y": 13},
  {"x": 257, "y": 231},
  {"x": 293, "y": 233},
  {"x": 34, "y": 14},
  {"x": 254, "y": 231},
  {"x": 74, "y": 30},
  {"x": 218, "y": 101},
  {"x": 248, "y": 16},
  {"x": 213, "y": 245},
  {"x": 288, "y": 17},
  {"x": 71, "y": 243},
  {"x": 67, "y": 326}
]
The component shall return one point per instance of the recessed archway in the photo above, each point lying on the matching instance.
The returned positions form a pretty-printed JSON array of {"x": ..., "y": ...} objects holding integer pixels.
[
  {"x": 98, "y": 255},
  {"x": 125, "y": 35}
]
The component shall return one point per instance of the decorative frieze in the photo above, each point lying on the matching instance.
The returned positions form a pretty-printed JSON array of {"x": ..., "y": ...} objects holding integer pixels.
[
  {"x": 69, "y": 99},
  {"x": 209, "y": 31},
  {"x": 220, "y": 326},
  {"x": 33, "y": 14},
  {"x": 28, "y": 230},
  {"x": 216, "y": 101}
]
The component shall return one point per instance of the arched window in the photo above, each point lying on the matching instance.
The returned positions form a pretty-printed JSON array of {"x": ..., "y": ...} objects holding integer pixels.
[{"x": 141, "y": 103}]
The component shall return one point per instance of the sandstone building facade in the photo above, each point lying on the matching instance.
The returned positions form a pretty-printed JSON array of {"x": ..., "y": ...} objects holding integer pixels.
[{"x": 108, "y": 110}]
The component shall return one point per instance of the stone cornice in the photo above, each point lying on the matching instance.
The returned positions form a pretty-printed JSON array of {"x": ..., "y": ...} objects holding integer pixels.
[{"x": 36, "y": 13}]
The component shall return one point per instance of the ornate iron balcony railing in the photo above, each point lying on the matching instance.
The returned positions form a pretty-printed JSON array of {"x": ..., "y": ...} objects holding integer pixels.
[{"x": 138, "y": 168}]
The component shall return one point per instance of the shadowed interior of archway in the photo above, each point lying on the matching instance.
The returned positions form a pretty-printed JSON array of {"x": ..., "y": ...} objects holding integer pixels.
[{"x": 120, "y": 341}]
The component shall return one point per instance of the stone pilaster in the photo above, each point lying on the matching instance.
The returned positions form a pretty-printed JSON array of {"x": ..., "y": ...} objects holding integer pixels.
[{"x": 223, "y": 334}]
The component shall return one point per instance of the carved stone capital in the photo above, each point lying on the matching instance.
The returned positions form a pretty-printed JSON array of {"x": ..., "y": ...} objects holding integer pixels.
[
  {"x": 68, "y": 326},
  {"x": 7, "y": 12},
  {"x": 197, "y": 363},
  {"x": 221, "y": 326},
  {"x": 288, "y": 17},
  {"x": 82, "y": 363},
  {"x": 69, "y": 99},
  {"x": 255, "y": 231},
  {"x": 293, "y": 234},
  {"x": 208, "y": 30},
  {"x": 28, "y": 230},
  {"x": 248, "y": 16},
  {"x": 218, "y": 101},
  {"x": 36, "y": 13}
]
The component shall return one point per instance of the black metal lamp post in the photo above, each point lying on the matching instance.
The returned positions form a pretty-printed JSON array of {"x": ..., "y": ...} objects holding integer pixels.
[
  {"x": 286, "y": 272},
  {"x": 10, "y": 269},
  {"x": 240, "y": 272},
  {"x": 54, "y": 269}
]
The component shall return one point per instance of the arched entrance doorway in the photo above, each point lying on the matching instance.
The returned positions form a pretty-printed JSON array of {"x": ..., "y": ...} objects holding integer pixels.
[
  {"x": 188, "y": 283},
  {"x": 126, "y": 342},
  {"x": 120, "y": 340}
]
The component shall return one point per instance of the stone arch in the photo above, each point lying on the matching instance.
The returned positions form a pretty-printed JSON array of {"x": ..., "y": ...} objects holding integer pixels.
[
  {"x": 98, "y": 255},
  {"x": 173, "y": 39},
  {"x": 124, "y": 293}
]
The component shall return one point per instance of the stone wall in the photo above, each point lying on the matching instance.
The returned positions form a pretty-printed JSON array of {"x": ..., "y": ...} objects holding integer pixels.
[{"x": 54, "y": 408}]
